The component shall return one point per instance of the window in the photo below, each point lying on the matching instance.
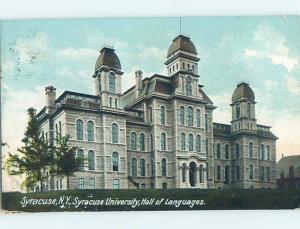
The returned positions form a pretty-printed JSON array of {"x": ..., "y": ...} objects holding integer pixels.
[
  {"x": 206, "y": 122},
  {"x": 115, "y": 161},
  {"x": 206, "y": 146},
  {"x": 151, "y": 114},
  {"x": 218, "y": 150},
  {"x": 59, "y": 123},
  {"x": 90, "y": 130},
  {"x": 142, "y": 141},
  {"x": 250, "y": 149},
  {"x": 182, "y": 141},
  {"x": 163, "y": 141},
  {"x": 227, "y": 171},
  {"x": 164, "y": 185},
  {"x": 237, "y": 150},
  {"x": 268, "y": 152},
  {"x": 251, "y": 171},
  {"x": 92, "y": 183},
  {"x": 162, "y": 115},
  {"x": 133, "y": 139},
  {"x": 81, "y": 183},
  {"x": 198, "y": 118},
  {"x": 188, "y": 86},
  {"x": 112, "y": 82},
  {"x": 143, "y": 167},
  {"x": 143, "y": 186},
  {"x": 190, "y": 117},
  {"x": 116, "y": 102},
  {"x": 237, "y": 173},
  {"x": 268, "y": 174},
  {"x": 207, "y": 170},
  {"x": 227, "y": 151},
  {"x": 237, "y": 110},
  {"x": 262, "y": 152},
  {"x": 291, "y": 171},
  {"x": 134, "y": 167},
  {"x": 116, "y": 184},
  {"x": 91, "y": 160},
  {"x": 151, "y": 142},
  {"x": 248, "y": 110},
  {"x": 80, "y": 156},
  {"x": 152, "y": 168},
  {"x": 79, "y": 129},
  {"x": 201, "y": 174},
  {"x": 114, "y": 133},
  {"x": 198, "y": 143},
  {"x": 164, "y": 167},
  {"x": 184, "y": 173},
  {"x": 56, "y": 132},
  {"x": 181, "y": 115},
  {"x": 218, "y": 172},
  {"x": 262, "y": 173},
  {"x": 110, "y": 101},
  {"x": 191, "y": 142}
]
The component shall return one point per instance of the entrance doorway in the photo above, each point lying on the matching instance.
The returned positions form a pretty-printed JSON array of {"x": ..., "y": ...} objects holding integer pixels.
[{"x": 192, "y": 174}]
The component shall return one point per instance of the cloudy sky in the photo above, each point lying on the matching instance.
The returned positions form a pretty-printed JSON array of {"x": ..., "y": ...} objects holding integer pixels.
[{"x": 263, "y": 51}]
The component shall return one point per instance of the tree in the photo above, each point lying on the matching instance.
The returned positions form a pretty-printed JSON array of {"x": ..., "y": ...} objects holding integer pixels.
[
  {"x": 34, "y": 158},
  {"x": 65, "y": 160}
]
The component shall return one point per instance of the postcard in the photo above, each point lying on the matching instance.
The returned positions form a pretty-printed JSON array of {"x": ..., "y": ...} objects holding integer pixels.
[{"x": 144, "y": 114}]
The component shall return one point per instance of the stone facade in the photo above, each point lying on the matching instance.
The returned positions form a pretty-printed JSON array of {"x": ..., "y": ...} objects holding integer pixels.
[{"x": 160, "y": 133}]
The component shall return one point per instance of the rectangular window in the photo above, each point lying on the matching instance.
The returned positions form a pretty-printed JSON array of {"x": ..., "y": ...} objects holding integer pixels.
[
  {"x": 218, "y": 172},
  {"x": 262, "y": 173},
  {"x": 116, "y": 184},
  {"x": 251, "y": 171},
  {"x": 92, "y": 183},
  {"x": 81, "y": 183},
  {"x": 206, "y": 122}
]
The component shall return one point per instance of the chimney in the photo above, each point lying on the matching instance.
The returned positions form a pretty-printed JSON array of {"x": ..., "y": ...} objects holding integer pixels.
[
  {"x": 50, "y": 99},
  {"x": 138, "y": 82},
  {"x": 31, "y": 113}
]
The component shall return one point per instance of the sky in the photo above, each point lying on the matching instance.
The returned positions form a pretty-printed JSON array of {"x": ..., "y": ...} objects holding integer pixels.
[{"x": 262, "y": 51}]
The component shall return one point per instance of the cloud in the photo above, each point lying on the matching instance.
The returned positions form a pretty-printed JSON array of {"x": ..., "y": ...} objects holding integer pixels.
[
  {"x": 223, "y": 112},
  {"x": 292, "y": 85},
  {"x": 270, "y": 44},
  {"x": 152, "y": 53},
  {"x": 271, "y": 84},
  {"x": 7, "y": 67},
  {"x": 75, "y": 54}
]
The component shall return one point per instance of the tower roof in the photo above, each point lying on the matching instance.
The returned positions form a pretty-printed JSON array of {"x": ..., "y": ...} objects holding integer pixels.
[
  {"x": 243, "y": 90},
  {"x": 108, "y": 57},
  {"x": 182, "y": 42}
]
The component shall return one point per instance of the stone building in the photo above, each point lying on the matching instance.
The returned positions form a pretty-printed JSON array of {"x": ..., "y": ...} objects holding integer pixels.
[
  {"x": 288, "y": 171},
  {"x": 159, "y": 133}
]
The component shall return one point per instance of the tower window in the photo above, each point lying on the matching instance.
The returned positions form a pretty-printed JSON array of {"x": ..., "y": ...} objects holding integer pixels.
[
  {"x": 162, "y": 115},
  {"x": 163, "y": 141},
  {"x": 79, "y": 129},
  {"x": 238, "y": 110},
  {"x": 248, "y": 110},
  {"x": 112, "y": 82},
  {"x": 181, "y": 115},
  {"x": 188, "y": 87},
  {"x": 190, "y": 117},
  {"x": 133, "y": 142},
  {"x": 114, "y": 133},
  {"x": 182, "y": 141}
]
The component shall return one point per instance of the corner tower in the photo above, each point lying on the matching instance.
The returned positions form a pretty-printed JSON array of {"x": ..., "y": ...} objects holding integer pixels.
[
  {"x": 243, "y": 108},
  {"x": 108, "y": 78}
]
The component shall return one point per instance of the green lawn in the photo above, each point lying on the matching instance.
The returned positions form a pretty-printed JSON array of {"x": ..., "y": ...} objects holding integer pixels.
[{"x": 148, "y": 200}]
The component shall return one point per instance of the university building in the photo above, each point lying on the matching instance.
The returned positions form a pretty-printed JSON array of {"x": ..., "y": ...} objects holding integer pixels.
[{"x": 159, "y": 133}]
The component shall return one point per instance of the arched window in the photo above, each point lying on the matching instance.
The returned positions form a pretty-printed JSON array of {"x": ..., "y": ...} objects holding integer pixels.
[
  {"x": 251, "y": 171},
  {"x": 198, "y": 118},
  {"x": 237, "y": 110},
  {"x": 90, "y": 130},
  {"x": 198, "y": 143},
  {"x": 142, "y": 141},
  {"x": 112, "y": 82},
  {"x": 115, "y": 161},
  {"x": 218, "y": 150},
  {"x": 184, "y": 173},
  {"x": 227, "y": 172},
  {"x": 250, "y": 149},
  {"x": 143, "y": 167},
  {"x": 237, "y": 172},
  {"x": 227, "y": 151},
  {"x": 92, "y": 183},
  {"x": 114, "y": 133},
  {"x": 190, "y": 117},
  {"x": 248, "y": 110},
  {"x": 163, "y": 141},
  {"x": 181, "y": 115},
  {"x": 218, "y": 172},
  {"x": 164, "y": 167},
  {"x": 268, "y": 152},
  {"x": 201, "y": 171},
  {"x": 134, "y": 167},
  {"x": 79, "y": 129},
  {"x": 162, "y": 115},
  {"x": 91, "y": 160},
  {"x": 81, "y": 162},
  {"x": 237, "y": 150},
  {"x": 182, "y": 141},
  {"x": 191, "y": 142},
  {"x": 206, "y": 146},
  {"x": 262, "y": 152},
  {"x": 188, "y": 87},
  {"x": 133, "y": 142}
]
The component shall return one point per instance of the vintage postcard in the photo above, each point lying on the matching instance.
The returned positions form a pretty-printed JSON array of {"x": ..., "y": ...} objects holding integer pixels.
[{"x": 146, "y": 114}]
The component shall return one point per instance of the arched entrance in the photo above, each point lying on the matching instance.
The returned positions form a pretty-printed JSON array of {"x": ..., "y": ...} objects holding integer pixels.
[{"x": 192, "y": 174}]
